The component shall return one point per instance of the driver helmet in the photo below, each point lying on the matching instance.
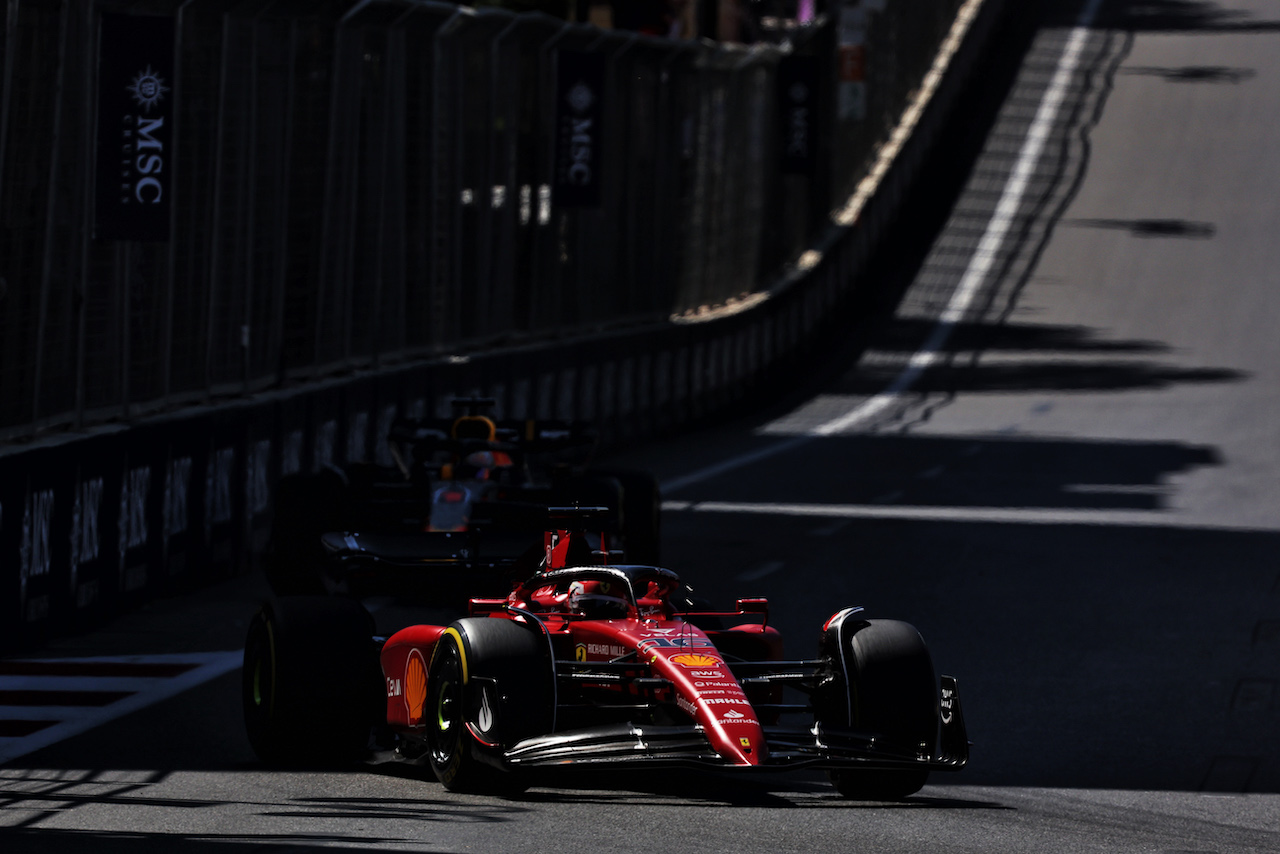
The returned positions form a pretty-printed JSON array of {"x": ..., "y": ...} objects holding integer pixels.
[{"x": 596, "y": 600}]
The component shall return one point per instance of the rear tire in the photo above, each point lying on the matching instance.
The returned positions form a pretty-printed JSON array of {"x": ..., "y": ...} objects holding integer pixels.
[
  {"x": 311, "y": 684},
  {"x": 891, "y": 690},
  {"x": 490, "y": 685}
]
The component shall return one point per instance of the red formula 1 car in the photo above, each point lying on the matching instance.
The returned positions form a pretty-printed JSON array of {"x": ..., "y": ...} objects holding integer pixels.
[{"x": 594, "y": 665}]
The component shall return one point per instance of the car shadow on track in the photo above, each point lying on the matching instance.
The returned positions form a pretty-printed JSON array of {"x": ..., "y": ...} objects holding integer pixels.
[
  {"x": 692, "y": 788},
  {"x": 685, "y": 788}
]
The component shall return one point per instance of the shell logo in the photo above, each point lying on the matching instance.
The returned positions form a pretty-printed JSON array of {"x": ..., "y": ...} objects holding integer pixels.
[
  {"x": 415, "y": 687},
  {"x": 694, "y": 659}
]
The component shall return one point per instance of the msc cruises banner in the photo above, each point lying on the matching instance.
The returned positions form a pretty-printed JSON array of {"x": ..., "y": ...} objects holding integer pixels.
[
  {"x": 579, "y": 130},
  {"x": 798, "y": 113},
  {"x": 135, "y": 124}
]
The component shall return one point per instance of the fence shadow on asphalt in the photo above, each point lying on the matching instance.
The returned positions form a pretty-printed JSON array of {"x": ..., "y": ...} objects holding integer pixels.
[
  {"x": 701, "y": 789},
  {"x": 1103, "y": 638},
  {"x": 44, "y": 840},
  {"x": 1004, "y": 357},
  {"x": 1174, "y": 16},
  {"x": 963, "y": 471}
]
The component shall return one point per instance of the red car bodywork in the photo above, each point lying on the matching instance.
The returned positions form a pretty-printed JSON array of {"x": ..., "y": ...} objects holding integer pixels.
[
  {"x": 709, "y": 697},
  {"x": 679, "y": 653}
]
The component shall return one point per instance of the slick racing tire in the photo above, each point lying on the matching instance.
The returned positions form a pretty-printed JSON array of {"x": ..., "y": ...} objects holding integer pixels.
[
  {"x": 311, "y": 684},
  {"x": 889, "y": 688},
  {"x": 490, "y": 684}
]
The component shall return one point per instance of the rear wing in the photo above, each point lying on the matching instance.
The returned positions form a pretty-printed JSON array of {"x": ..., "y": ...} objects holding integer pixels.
[{"x": 520, "y": 438}]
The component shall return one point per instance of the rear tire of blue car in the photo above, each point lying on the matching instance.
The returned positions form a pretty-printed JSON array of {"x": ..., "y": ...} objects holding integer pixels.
[
  {"x": 490, "y": 685},
  {"x": 891, "y": 690},
  {"x": 311, "y": 684}
]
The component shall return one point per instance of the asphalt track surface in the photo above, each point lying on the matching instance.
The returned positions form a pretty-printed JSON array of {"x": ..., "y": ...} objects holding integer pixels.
[{"x": 1075, "y": 496}]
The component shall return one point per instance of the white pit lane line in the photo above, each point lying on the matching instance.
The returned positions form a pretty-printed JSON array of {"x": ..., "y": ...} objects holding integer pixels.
[
  {"x": 969, "y": 515},
  {"x": 976, "y": 273},
  {"x": 72, "y": 720}
]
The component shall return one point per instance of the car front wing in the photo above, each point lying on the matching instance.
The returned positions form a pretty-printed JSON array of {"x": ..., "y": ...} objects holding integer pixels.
[{"x": 640, "y": 745}]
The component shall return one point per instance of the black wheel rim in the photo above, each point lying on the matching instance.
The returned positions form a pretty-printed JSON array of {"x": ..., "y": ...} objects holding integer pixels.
[
  {"x": 258, "y": 686},
  {"x": 259, "y": 676},
  {"x": 446, "y": 712}
]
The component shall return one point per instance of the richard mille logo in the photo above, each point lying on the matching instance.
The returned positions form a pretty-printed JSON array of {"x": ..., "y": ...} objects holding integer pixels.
[{"x": 147, "y": 89}]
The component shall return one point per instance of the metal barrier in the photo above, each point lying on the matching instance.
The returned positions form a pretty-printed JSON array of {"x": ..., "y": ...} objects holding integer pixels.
[
  {"x": 341, "y": 171},
  {"x": 354, "y": 184}
]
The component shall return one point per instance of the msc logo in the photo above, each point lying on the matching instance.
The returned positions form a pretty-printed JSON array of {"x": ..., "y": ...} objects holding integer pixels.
[
  {"x": 147, "y": 89},
  {"x": 581, "y": 134},
  {"x": 142, "y": 154}
]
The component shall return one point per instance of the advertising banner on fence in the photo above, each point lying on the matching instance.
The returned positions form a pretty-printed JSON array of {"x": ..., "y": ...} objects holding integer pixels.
[
  {"x": 798, "y": 113},
  {"x": 580, "y": 79},
  {"x": 135, "y": 125},
  {"x": 851, "y": 65}
]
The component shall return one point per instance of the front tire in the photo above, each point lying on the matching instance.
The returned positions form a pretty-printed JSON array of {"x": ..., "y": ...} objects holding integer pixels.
[
  {"x": 889, "y": 689},
  {"x": 490, "y": 685}
]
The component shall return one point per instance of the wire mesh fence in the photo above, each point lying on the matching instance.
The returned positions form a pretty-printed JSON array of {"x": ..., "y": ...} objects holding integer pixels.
[{"x": 350, "y": 184}]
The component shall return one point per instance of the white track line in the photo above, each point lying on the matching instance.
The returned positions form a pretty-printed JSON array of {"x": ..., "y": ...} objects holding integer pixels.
[
  {"x": 970, "y": 515},
  {"x": 976, "y": 273},
  {"x": 77, "y": 720},
  {"x": 669, "y": 486},
  {"x": 1015, "y": 189}
]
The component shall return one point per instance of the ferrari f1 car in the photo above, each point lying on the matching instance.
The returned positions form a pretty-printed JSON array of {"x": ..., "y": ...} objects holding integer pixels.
[
  {"x": 468, "y": 491},
  {"x": 597, "y": 665}
]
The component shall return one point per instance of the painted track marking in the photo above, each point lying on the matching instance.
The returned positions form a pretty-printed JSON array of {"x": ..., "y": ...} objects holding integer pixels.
[
  {"x": 936, "y": 513},
  {"x": 44, "y": 701}
]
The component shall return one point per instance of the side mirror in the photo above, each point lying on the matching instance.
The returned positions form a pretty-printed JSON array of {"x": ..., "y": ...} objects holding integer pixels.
[
  {"x": 754, "y": 606},
  {"x": 482, "y": 607}
]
